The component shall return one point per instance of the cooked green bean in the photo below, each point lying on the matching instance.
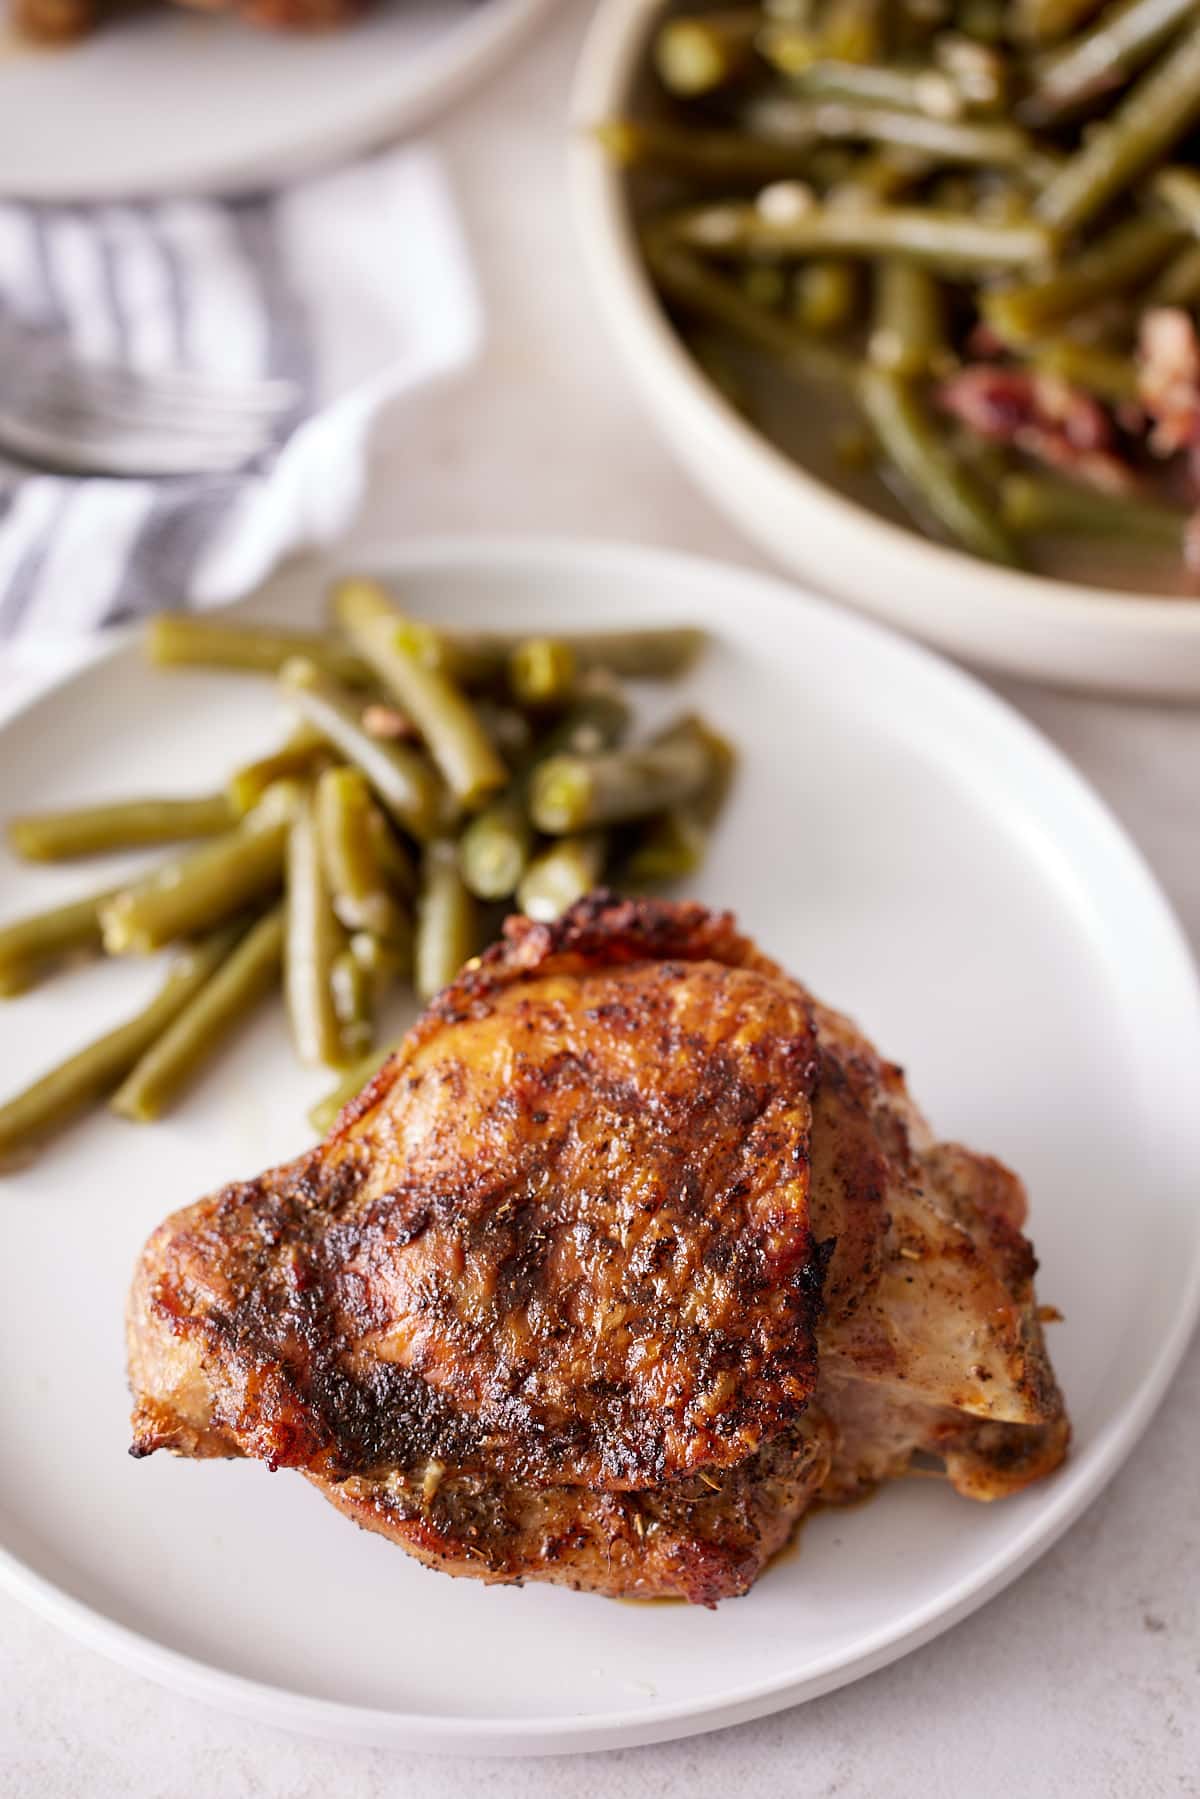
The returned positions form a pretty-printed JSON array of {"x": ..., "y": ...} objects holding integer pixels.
[
  {"x": 985, "y": 461},
  {"x": 781, "y": 229},
  {"x": 447, "y": 721},
  {"x": 825, "y": 295},
  {"x": 688, "y": 282},
  {"x": 597, "y": 719},
  {"x": 1037, "y": 504},
  {"x": 206, "y": 886},
  {"x": 319, "y": 818},
  {"x": 494, "y": 849},
  {"x": 1125, "y": 36},
  {"x": 926, "y": 90},
  {"x": 477, "y": 660},
  {"x": 353, "y": 989},
  {"x": 313, "y": 942},
  {"x": 475, "y": 657},
  {"x": 1105, "y": 373},
  {"x": 303, "y": 752},
  {"x": 1179, "y": 190},
  {"x": 384, "y": 962},
  {"x": 789, "y": 45},
  {"x": 178, "y": 638},
  {"x": 852, "y": 30},
  {"x": 712, "y": 154},
  {"x": 828, "y": 164},
  {"x": 194, "y": 1036},
  {"x": 324, "y": 1114},
  {"x": 350, "y": 832},
  {"x": 931, "y": 472},
  {"x": 855, "y": 448},
  {"x": 402, "y": 778},
  {"x": 660, "y": 654},
  {"x": 673, "y": 845},
  {"x": 1044, "y": 20},
  {"x": 562, "y": 874},
  {"x": 879, "y": 175},
  {"x": 397, "y": 865},
  {"x": 1153, "y": 116},
  {"x": 447, "y": 933},
  {"x": 1000, "y": 202},
  {"x": 782, "y": 119},
  {"x": 124, "y": 824},
  {"x": 570, "y": 793},
  {"x": 913, "y": 23},
  {"x": 984, "y": 21},
  {"x": 695, "y": 56},
  {"x": 33, "y": 947},
  {"x": 1121, "y": 259},
  {"x": 955, "y": 193},
  {"x": 978, "y": 74},
  {"x": 1178, "y": 284},
  {"x": 542, "y": 671},
  {"x": 509, "y": 729},
  {"x": 908, "y": 334},
  {"x": 764, "y": 283},
  {"x": 56, "y": 1099},
  {"x": 670, "y": 848}
]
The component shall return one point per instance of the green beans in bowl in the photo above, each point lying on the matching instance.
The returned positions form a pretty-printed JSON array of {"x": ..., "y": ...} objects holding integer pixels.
[{"x": 913, "y": 287}]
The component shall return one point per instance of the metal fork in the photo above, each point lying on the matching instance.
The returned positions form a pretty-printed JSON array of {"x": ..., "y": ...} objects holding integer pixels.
[{"x": 87, "y": 418}]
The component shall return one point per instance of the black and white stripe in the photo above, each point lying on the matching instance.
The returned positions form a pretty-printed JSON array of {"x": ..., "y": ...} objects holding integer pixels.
[
  {"x": 190, "y": 285},
  {"x": 301, "y": 285}
]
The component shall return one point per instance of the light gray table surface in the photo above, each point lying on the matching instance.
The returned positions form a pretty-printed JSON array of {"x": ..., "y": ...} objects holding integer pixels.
[{"x": 1082, "y": 1680}]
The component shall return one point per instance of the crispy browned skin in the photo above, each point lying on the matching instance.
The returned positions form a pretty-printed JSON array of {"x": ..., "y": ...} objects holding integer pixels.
[
  {"x": 703, "y": 1537},
  {"x": 545, "y": 1304}
]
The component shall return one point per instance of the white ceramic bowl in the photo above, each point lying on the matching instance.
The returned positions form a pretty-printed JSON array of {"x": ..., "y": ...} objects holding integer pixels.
[{"x": 1051, "y": 630}]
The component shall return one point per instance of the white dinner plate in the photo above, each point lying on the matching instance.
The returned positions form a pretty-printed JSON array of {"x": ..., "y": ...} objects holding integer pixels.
[
  {"x": 901, "y": 840},
  {"x": 165, "y": 100}
]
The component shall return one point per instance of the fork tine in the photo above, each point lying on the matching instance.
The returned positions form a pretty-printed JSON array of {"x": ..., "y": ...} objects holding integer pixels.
[
  {"x": 81, "y": 389},
  {"x": 26, "y": 352},
  {"x": 66, "y": 414},
  {"x": 255, "y": 394},
  {"x": 98, "y": 451},
  {"x": 100, "y": 418},
  {"x": 266, "y": 394},
  {"x": 82, "y": 421}
]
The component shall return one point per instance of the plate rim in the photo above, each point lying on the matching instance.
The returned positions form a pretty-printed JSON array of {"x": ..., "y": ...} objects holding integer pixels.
[
  {"x": 1078, "y": 1484},
  {"x": 459, "y": 58}
]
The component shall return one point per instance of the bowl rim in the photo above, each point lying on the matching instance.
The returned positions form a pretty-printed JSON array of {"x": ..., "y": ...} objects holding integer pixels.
[{"x": 612, "y": 48}]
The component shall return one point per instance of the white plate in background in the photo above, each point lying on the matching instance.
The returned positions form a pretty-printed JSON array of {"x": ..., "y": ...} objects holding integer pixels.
[
  {"x": 165, "y": 100},
  {"x": 900, "y": 839}
]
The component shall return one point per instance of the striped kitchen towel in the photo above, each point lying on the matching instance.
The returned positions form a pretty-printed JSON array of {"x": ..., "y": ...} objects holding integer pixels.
[{"x": 355, "y": 286}]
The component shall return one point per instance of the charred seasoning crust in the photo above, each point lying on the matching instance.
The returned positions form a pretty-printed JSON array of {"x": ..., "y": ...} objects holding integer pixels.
[
  {"x": 615, "y": 1286},
  {"x": 702, "y": 1538},
  {"x": 599, "y": 931}
]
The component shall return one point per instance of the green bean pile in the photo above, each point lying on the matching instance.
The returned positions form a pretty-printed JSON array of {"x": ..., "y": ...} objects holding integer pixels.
[
  {"x": 431, "y": 782},
  {"x": 978, "y": 220}
]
